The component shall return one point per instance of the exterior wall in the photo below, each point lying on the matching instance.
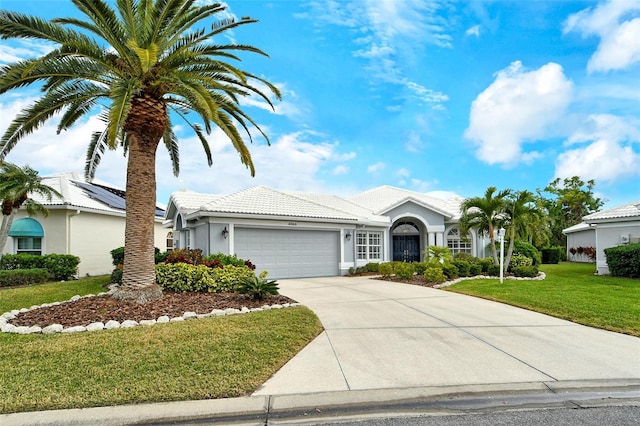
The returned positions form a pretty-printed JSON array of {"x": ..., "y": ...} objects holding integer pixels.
[
  {"x": 88, "y": 235},
  {"x": 609, "y": 235},
  {"x": 583, "y": 238}
]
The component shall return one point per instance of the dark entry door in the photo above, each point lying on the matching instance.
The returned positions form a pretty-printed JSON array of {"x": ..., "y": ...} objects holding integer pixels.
[{"x": 406, "y": 248}]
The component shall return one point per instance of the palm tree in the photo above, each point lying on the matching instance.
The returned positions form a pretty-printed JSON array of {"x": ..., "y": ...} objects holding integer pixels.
[
  {"x": 485, "y": 214},
  {"x": 146, "y": 60},
  {"x": 15, "y": 186},
  {"x": 521, "y": 211}
]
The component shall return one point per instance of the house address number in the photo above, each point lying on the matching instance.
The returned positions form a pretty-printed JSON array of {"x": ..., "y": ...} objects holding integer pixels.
[{"x": 293, "y": 224}]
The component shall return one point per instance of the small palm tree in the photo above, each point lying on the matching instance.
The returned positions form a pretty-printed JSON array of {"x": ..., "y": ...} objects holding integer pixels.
[
  {"x": 485, "y": 214},
  {"x": 142, "y": 61},
  {"x": 520, "y": 212},
  {"x": 16, "y": 184}
]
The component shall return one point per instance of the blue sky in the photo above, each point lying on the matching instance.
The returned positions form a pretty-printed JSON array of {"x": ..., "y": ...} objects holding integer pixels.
[{"x": 428, "y": 96}]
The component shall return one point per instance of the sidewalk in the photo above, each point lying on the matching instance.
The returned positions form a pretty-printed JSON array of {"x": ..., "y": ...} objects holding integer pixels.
[{"x": 389, "y": 346}]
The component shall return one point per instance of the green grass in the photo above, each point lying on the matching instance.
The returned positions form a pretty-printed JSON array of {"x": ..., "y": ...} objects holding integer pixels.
[
  {"x": 571, "y": 291},
  {"x": 208, "y": 358}
]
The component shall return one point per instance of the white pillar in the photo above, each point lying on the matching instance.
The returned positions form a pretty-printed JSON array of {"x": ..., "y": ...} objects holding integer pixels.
[{"x": 432, "y": 239}]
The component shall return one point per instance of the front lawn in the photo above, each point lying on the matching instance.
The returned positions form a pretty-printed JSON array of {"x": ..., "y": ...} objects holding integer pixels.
[
  {"x": 216, "y": 357},
  {"x": 571, "y": 291}
]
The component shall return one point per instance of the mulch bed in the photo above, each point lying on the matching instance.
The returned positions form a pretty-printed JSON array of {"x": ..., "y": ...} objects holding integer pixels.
[{"x": 104, "y": 308}]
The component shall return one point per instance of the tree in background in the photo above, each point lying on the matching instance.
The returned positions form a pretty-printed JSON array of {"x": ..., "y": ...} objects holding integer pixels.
[
  {"x": 140, "y": 62},
  {"x": 571, "y": 199},
  {"x": 521, "y": 214},
  {"x": 16, "y": 184},
  {"x": 485, "y": 214}
]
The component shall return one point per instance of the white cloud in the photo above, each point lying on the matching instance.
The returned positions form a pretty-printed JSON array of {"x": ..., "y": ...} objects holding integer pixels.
[
  {"x": 604, "y": 150},
  {"x": 473, "y": 31},
  {"x": 617, "y": 23},
  {"x": 18, "y": 49},
  {"x": 340, "y": 170},
  {"x": 519, "y": 106},
  {"x": 376, "y": 168},
  {"x": 413, "y": 142}
]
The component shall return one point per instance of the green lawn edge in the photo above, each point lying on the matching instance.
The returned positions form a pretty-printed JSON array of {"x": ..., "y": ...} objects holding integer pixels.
[{"x": 570, "y": 291}]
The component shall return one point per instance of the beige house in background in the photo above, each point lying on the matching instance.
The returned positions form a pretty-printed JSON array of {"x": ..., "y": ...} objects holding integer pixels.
[{"x": 88, "y": 221}]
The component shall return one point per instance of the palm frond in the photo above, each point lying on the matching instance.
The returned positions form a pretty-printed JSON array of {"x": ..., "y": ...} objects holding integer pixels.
[{"x": 171, "y": 143}]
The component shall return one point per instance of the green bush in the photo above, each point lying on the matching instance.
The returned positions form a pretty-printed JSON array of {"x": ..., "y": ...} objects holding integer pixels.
[
  {"x": 258, "y": 288},
  {"x": 493, "y": 270},
  {"x": 386, "y": 269},
  {"x": 372, "y": 267},
  {"x": 420, "y": 267},
  {"x": 117, "y": 256},
  {"x": 551, "y": 255},
  {"x": 525, "y": 271},
  {"x": 228, "y": 278},
  {"x": 526, "y": 249},
  {"x": 450, "y": 271},
  {"x": 23, "y": 276},
  {"x": 404, "y": 270},
  {"x": 22, "y": 261},
  {"x": 182, "y": 277},
  {"x": 464, "y": 267},
  {"x": 465, "y": 256},
  {"x": 624, "y": 261},
  {"x": 475, "y": 269},
  {"x": 188, "y": 256},
  {"x": 486, "y": 263},
  {"x": 116, "y": 276},
  {"x": 434, "y": 275},
  {"x": 519, "y": 260},
  {"x": 62, "y": 266}
]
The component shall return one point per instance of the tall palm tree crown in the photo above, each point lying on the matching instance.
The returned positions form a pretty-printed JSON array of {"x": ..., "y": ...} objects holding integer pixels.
[{"x": 146, "y": 59}]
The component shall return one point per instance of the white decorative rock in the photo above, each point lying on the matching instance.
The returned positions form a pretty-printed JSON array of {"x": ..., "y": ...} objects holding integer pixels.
[
  {"x": 176, "y": 319},
  {"x": 244, "y": 310},
  {"x": 35, "y": 329},
  {"x": 76, "y": 297},
  {"x": 3, "y": 321},
  {"x": 76, "y": 329},
  {"x": 256, "y": 309},
  {"x": 200, "y": 316},
  {"x": 231, "y": 311},
  {"x": 34, "y": 307},
  {"x": 285, "y": 305},
  {"x": 163, "y": 319},
  {"x": 52, "y": 329},
  {"x": 55, "y": 303},
  {"x": 128, "y": 324},
  {"x": 266, "y": 307},
  {"x": 217, "y": 312},
  {"x": 111, "y": 324},
  {"x": 147, "y": 322},
  {"x": 8, "y": 328},
  {"x": 189, "y": 315},
  {"x": 276, "y": 306},
  {"x": 21, "y": 330},
  {"x": 95, "y": 326},
  {"x": 23, "y": 310},
  {"x": 8, "y": 315}
]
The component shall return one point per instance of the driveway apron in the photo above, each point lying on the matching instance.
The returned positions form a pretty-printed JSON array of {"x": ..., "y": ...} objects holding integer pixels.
[{"x": 383, "y": 335}]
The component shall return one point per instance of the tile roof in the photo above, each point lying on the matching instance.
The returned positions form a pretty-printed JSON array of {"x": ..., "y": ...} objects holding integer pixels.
[
  {"x": 385, "y": 198},
  {"x": 624, "y": 212},
  {"x": 260, "y": 200},
  {"x": 189, "y": 201},
  {"x": 577, "y": 228}
]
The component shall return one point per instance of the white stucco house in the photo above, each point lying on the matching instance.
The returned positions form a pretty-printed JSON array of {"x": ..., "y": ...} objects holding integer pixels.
[
  {"x": 296, "y": 234},
  {"x": 613, "y": 227},
  {"x": 580, "y": 235},
  {"x": 88, "y": 221}
]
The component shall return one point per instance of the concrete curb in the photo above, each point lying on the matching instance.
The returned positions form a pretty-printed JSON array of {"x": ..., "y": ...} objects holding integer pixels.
[{"x": 365, "y": 403}]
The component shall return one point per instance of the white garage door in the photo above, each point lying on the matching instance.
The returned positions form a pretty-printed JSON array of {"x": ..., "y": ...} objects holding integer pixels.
[{"x": 289, "y": 253}]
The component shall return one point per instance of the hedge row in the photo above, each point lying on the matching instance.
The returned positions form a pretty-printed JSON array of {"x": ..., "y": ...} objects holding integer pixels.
[
  {"x": 624, "y": 261},
  {"x": 23, "y": 276},
  {"x": 59, "y": 266},
  {"x": 185, "y": 277}
]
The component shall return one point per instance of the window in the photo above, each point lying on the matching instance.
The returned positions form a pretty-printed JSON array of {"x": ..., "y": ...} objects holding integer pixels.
[
  {"x": 369, "y": 245},
  {"x": 29, "y": 245},
  {"x": 456, "y": 243},
  {"x": 169, "y": 241}
]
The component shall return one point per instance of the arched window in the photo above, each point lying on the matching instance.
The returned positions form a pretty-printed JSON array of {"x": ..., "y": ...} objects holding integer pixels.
[
  {"x": 405, "y": 228},
  {"x": 27, "y": 235},
  {"x": 169, "y": 241},
  {"x": 458, "y": 244}
]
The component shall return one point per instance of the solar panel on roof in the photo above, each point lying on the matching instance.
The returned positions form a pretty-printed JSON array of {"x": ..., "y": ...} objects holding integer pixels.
[{"x": 110, "y": 198}]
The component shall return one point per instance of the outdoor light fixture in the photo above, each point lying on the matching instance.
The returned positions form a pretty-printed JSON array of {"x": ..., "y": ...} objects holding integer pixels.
[
  {"x": 225, "y": 233},
  {"x": 501, "y": 232},
  {"x": 348, "y": 236}
]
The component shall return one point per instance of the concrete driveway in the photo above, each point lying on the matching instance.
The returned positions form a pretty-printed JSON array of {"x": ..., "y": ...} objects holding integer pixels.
[{"x": 383, "y": 335}]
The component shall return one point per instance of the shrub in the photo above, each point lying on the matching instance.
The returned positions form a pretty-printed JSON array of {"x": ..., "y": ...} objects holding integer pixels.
[
  {"x": 624, "y": 261},
  {"x": 450, "y": 271},
  {"x": 62, "y": 266},
  {"x": 486, "y": 263},
  {"x": 22, "y": 261},
  {"x": 386, "y": 269},
  {"x": 258, "y": 288},
  {"x": 525, "y": 271},
  {"x": 434, "y": 275},
  {"x": 475, "y": 269},
  {"x": 438, "y": 255},
  {"x": 116, "y": 275},
  {"x": 493, "y": 270},
  {"x": 23, "y": 276},
  {"x": 404, "y": 270},
  {"x": 117, "y": 256},
  {"x": 420, "y": 267},
  {"x": 182, "y": 277},
  {"x": 188, "y": 256},
  {"x": 351, "y": 271},
  {"x": 463, "y": 266},
  {"x": 160, "y": 257},
  {"x": 465, "y": 256},
  {"x": 518, "y": 260},
  {"x": 526, "y": 249},
  {"x": 228, "y": 278},
  {"x": 372, "y": 266},
  {"x": 551, "y": 255}
]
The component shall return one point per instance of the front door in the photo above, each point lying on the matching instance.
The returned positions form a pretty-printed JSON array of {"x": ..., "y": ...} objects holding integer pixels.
[{"x": 406, "y": 248}]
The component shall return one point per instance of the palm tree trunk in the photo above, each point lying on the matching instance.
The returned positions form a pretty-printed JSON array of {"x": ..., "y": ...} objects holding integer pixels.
[
  {"x": 512, "y": 239},
  {"x": 139, "y": 278},
  {"x": 493, "y": 245},
  {"x": 7, "y": 221}
]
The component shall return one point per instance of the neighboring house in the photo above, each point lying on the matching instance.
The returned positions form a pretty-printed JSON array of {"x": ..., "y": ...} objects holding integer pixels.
[
  {"x": 614, "y": 227},
  {"x": 580, "y": 236},
  {"x": 88, "y": 221},
  {"x": 296, "y": 234}
]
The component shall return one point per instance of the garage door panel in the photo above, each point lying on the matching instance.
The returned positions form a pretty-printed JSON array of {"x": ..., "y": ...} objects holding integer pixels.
[{"x": 289, "y": 253}]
